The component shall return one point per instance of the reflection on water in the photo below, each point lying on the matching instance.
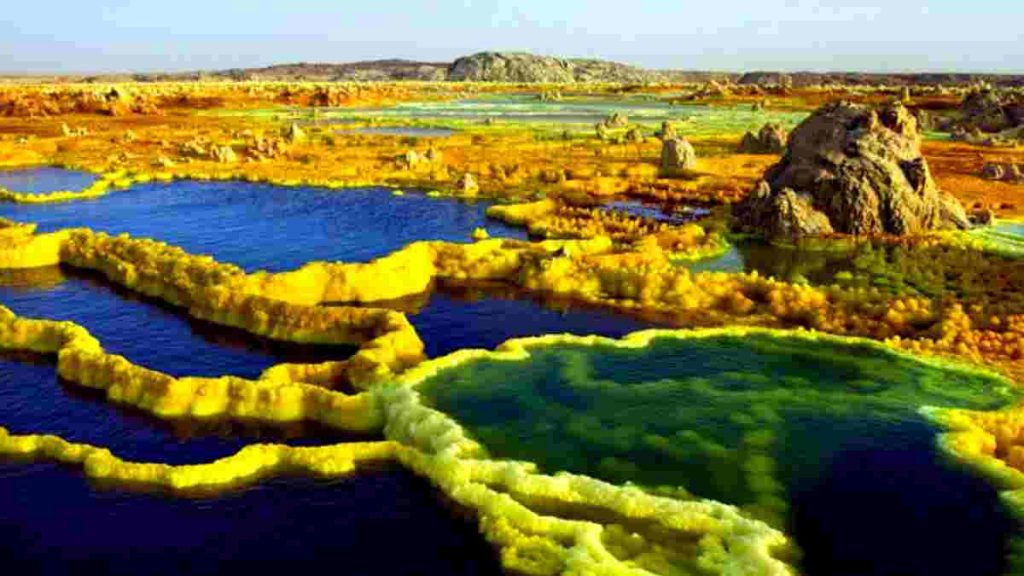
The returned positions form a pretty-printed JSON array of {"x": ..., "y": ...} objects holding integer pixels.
[
  {"x": 379, "y": 522},
  {"x": 34, "y": 400},
  {"x": 44, "y": 179},
  {"x": 148, "y": 331},
  {"x": 261, "y": 226}
]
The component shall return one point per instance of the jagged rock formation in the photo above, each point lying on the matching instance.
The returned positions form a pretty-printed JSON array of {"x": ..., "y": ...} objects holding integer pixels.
[
  {"x": 1008, "y": 172},
  {"x": 802, "y": 79},
  {"x": 677, "y": 156},
  {"x": 852, "y": 169},
  {"x": 667, "y": 131},
  {"x": 523, "y": 67},
  {"x": 988, "y": 110},
  {"x": 771, "y": 139}
]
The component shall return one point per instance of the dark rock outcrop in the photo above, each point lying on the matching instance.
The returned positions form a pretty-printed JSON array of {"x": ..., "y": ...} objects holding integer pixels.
[
  {"x": 667, "y": 131},
  {"x": 771, "y": 139},
  {"x": 1008, "y": 172},
  {"x": 985, "y": 110},
  {"x": 857, "y": 169}
]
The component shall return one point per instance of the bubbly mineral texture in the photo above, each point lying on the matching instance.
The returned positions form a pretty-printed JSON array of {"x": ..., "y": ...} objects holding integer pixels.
[
  {"x": 990, "y": 441},
  {"x": 614, "y": 406},
  {"x": 851, "y": 169}
]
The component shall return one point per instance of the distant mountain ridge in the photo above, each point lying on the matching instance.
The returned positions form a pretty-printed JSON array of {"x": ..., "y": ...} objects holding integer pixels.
[{"x": 524, "y": 67}]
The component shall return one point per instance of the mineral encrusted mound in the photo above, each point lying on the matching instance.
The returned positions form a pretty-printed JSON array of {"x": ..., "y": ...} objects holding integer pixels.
[
  {"x": 524, "y": 67},
  {"x": 677, "y": 156},
  {"x": 851, "y": 169},
  {"x": 770, "y": 139},
  {"x": 989, "y": 110}
]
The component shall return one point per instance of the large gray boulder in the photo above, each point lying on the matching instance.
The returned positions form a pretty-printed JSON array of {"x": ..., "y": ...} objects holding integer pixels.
[
  {"x": 677, "y": 156},
  {"x": 856, "y": 167}
]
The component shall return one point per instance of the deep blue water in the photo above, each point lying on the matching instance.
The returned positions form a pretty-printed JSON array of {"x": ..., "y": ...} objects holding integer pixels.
[
  {"x": 260, "y": 226},
  {"x": 147, "y": 331},
  {"x": 52, "y": 521},
  {"x": 858, "y": 518},
  {"x": 485, "y": 315},
  {"x": 886, "y": 503},
  {"x": 385, "y": 522}
]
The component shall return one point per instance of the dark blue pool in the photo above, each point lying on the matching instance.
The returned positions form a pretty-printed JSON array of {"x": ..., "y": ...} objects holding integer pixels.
[{"x": 260, "y": 226}]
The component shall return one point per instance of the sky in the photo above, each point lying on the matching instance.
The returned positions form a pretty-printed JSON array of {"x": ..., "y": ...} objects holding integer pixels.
[{"x": 89, "y": 36}]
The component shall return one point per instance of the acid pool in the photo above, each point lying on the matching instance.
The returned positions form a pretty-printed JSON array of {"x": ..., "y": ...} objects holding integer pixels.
[
  {"x": 46, "y": 179},
  {"x": 575, "y": 113},
  {"x": 51, "y": 519},
  {"x": 261, "y": 226},
  {"x": 821, "y": 439}
]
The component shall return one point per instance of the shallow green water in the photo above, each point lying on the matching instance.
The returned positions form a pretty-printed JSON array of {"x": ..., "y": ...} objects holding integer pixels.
[
  {"x": 575, "y": 114},
  {"x": 794, "y": 431}
]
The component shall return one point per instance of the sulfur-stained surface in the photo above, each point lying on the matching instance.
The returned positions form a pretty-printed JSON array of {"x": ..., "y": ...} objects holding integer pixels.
[
  {"x": 777, "y": 424},
  {"x": 220, "y": 290}
]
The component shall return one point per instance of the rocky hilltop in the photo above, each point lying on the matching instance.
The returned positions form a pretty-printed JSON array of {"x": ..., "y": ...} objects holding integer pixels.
[
  {"x": 524, "y": 67},
  {"x": 850, "y": 169}
]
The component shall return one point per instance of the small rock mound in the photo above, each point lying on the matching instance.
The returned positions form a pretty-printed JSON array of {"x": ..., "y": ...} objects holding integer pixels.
[
  {"x": 771, "y": 139},
  {"x": 667, "y": 131},
  {"x": 466, "y": 185},
  {"x": 989, "y": 111},
  {"x": 1008, "y": 172},
  {"x": 851, "y": 169},
  {"x": 677, "y": 156}
]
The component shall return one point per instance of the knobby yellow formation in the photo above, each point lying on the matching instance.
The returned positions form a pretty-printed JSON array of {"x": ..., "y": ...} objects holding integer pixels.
[
  {"x": 205, "y": 288},
  {"x": 82, "y": 360},
  {"x": 20, "y": 247},
  {"x": 95, "y": 190},
  {"x": 250, "y": 464},
  {"x": 550, "y": 218},
  {"x": 542, "y": 524},
  {"x": 289, "y": 305},
  {"x": 991, "y": 442}
]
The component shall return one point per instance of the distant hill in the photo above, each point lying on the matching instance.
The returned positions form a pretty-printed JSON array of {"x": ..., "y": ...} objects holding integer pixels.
[
  {"x": 530, "y": 68},
  {"x": 866, "y": 78},
  {"x": 523, "y": 67}
]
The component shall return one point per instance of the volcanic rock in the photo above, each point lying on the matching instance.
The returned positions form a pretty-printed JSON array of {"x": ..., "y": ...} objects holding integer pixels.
[
  {"x": 524, "y": 67},
  {"x": 857, "y": 168},
  {"x": 677, "y": 156},
  {"x": 771, "y": 139}
]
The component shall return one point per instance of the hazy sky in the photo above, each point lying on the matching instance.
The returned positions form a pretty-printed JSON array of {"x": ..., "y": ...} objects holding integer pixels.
[{"x": 884, "y": 35}]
